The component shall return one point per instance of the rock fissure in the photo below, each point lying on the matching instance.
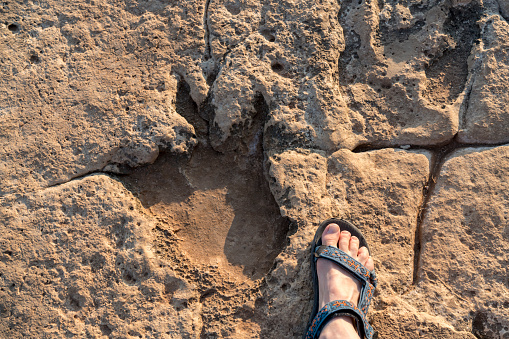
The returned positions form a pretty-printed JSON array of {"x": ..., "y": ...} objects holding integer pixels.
[
  {"x": 79, "y": 177},
  {"x": 465, "y": 104},
  {"x": 208, "y": 50},
  {"x": 194, "y": 244},
  {"x": 439, "y": 155}
]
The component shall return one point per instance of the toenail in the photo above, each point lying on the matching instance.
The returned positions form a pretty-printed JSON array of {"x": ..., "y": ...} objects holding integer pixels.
[{"x": 332, "y": 229}]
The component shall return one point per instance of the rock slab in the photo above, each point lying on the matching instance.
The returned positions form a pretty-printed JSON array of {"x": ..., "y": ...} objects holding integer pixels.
[
  {"x": 77, "y": 260},
  {"x": 465, "y": 237}
]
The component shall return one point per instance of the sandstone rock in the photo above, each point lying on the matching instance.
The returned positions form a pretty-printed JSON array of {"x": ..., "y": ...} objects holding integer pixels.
[
  {"x": 464, "y": 253},
  {"x": 86, "y": 85},
  {"x": 487, "y": 118},
  {"x": 290, "y": 65},
  {"x": 301, "y": 95},
  {"x": 380, "y": 191},
  {"x": 405, "y": 99},
  {"x": 299, "y": 185},
  {"x": 396, "y": 318},
  {"x": 392, "y": 101},
  {"x": 77, "y": 260}
]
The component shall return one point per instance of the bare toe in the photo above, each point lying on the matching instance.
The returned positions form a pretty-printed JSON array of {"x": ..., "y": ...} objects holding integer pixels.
[
  {"x": 354, "y": 246},
  {"x": 370, "y": 265},
  {"x": 363, "y": 255},
  {"x": 330, "y": 235},
  {"x": 344, "y": 241}
]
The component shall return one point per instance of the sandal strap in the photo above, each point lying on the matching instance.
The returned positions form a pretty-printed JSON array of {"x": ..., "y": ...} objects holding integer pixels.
[
  {"x": 339, "y": 308},
  {"x": 346, "y": 261},
  {"x": 366, "y": 277}
]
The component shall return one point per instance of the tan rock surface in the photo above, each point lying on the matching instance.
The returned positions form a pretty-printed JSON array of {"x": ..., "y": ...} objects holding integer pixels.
[
  {"x": 465, "y": 242},
  {"x": 347, "y": 85},
  {"x": 220, "y": 227},
  {"x": 381, "y": 191},
  {"x": 487, "y": 117},
  {"x": 84, "y": 86},
  {"x": 259, "y": 119},
  {"x": 77, "y": 260}
]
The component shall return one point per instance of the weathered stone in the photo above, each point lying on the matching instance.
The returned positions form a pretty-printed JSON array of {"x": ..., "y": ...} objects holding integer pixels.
[
  {"x": 379, "y": 191},
  {"x": 86, "y": 85},
  {"x": 293, "y": 92},
  {"x": 77, "y": 260},
  {"x": 390, "y": 88},
  {"x": 396, "y": 318},
  {"x": 487, "y": 118},
  {"x": 300, "y": 185},
  {"x": 290, "y": 65},
  {"x": 465, "y": 233},
  {"x": 402, "y": 100}
]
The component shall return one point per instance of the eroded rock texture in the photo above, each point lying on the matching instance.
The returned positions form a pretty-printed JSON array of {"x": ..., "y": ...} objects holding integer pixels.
[
  {"x": 485, "y": 119},
  {"x": 77, "y": 260},
  {"x": 471, "y": 231},
  {"x": 381, "y": 190},
  {"x": 86, "y": 86},
  {"x": 164, "y": 164}
]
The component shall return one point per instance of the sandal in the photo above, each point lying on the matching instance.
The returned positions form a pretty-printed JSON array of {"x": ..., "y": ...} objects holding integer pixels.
[{"x": 319, "y": 319}]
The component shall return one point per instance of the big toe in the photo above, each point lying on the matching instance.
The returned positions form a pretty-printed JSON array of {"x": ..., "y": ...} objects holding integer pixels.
[{"x": 330, "y": 235}]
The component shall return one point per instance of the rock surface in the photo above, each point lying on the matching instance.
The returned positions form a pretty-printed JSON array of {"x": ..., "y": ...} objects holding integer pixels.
[
  {"x": 87, "y": 86},
  {"x": 467, "y": 223},
  {"x": 487, "y": 117},
  {"x": 164, "y": 164},
  {"x": 77, "y": 260},
  {"x": 381, "y": 191}
]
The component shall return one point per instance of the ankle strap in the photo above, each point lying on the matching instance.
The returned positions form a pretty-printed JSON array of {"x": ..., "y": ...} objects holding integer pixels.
[{"x": 335, "y": 309}]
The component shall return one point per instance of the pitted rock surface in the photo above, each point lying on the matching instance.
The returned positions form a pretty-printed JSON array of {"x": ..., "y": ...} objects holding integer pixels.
[
  {"x": 77, "y": 260},
  {"x": 471, "y": 230},
  {"x": 164, "y": 164},
  {"x": 381, "y": 190}
]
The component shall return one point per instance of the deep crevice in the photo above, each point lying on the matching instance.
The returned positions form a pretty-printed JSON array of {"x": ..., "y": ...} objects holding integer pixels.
[
  {"x": 468, "y": 91},
  {"x": 410, "y": 147},
  {"x": 369, "y": 147},
  {"x": 439, "y": 154},
  {"x": 78, "y": 177},
  {"x": 208, "y": 49}
]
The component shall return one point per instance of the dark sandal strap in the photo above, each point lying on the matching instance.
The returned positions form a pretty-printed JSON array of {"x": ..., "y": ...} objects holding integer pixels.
[
  {"x": 346, "y": 261},
  {"x": 339, "y": 308},
  {"x": 366, "y": 277}
]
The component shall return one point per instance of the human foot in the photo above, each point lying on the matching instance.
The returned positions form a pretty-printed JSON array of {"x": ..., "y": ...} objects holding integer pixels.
[{"x": 335, "y": 283}]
